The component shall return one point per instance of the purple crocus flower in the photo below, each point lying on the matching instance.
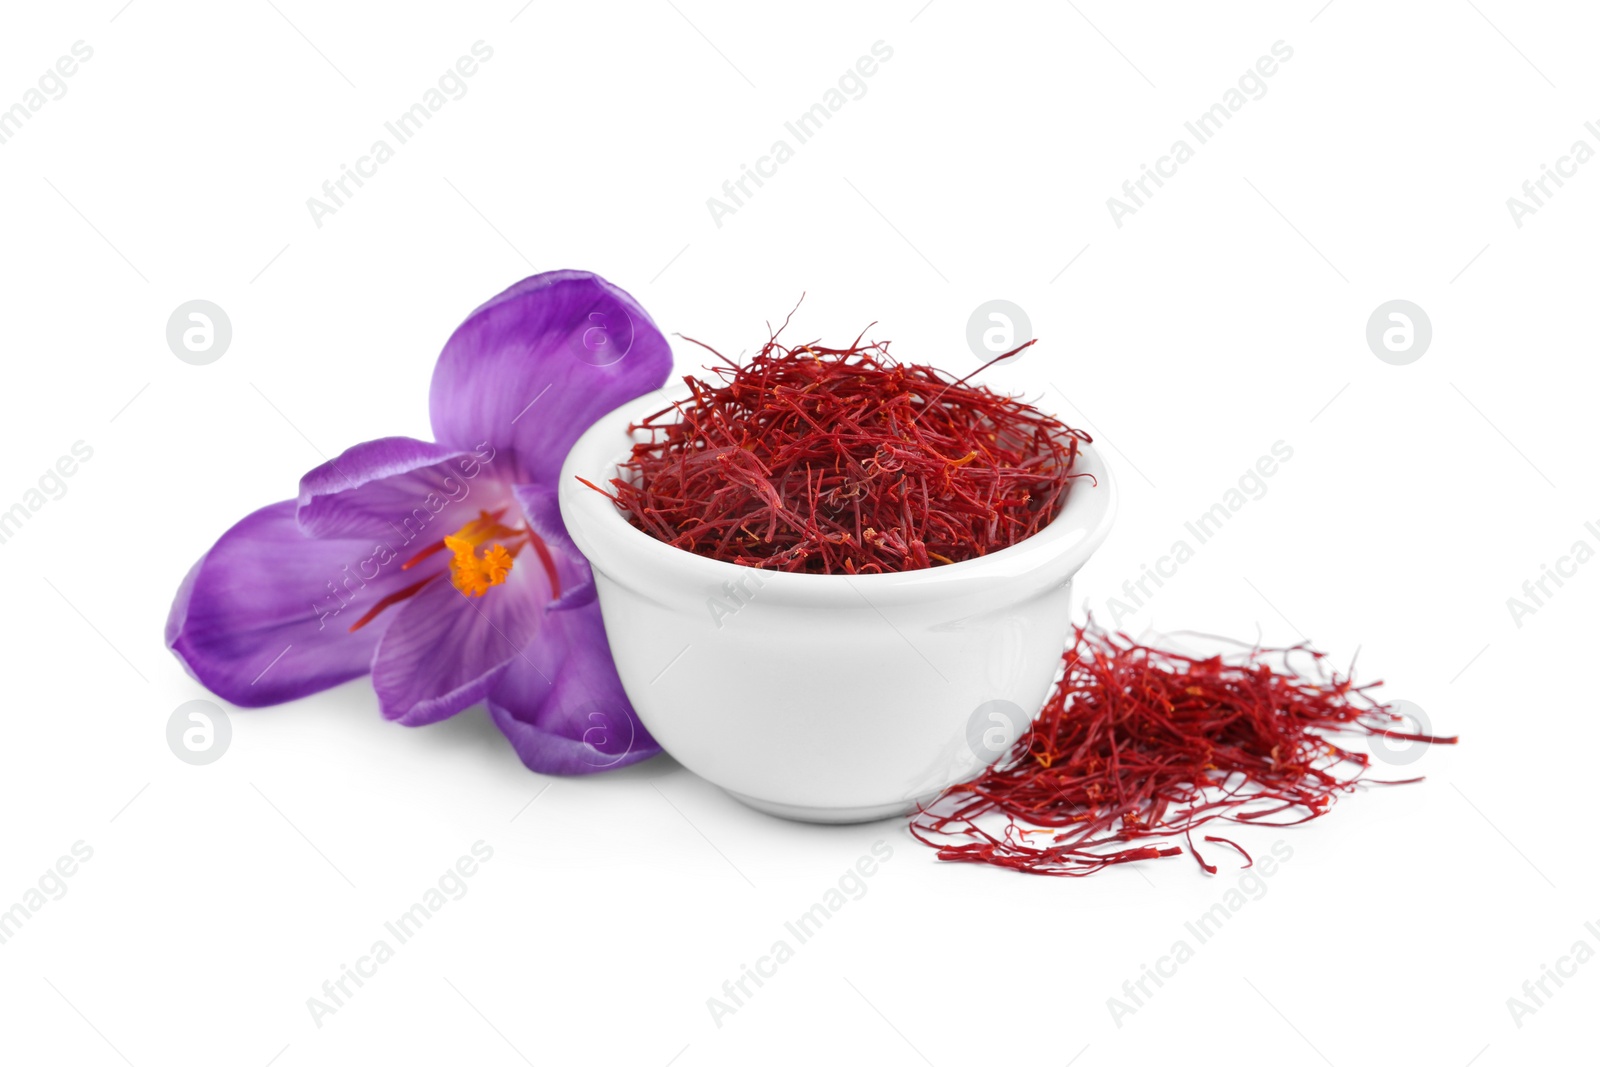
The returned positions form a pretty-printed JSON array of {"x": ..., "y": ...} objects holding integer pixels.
[{"x": 444, "y": 568}]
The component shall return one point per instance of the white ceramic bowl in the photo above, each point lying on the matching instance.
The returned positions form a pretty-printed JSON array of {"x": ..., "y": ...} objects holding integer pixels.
[{"x": 829, "y": 698}]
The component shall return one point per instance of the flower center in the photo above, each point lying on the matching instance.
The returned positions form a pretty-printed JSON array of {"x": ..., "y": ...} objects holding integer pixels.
[
  {"x": 476, "y": 574},
  {"x": 482, "y": 554}
]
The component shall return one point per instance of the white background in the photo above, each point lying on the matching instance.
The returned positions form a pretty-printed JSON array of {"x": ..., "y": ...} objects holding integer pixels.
[{"x": 1227, "y": 314}]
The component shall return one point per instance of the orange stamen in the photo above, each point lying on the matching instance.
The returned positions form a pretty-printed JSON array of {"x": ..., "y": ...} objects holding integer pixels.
[{"x": 473, "y": 574}]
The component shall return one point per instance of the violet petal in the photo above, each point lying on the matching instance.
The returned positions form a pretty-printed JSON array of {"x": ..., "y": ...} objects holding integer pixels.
[
  {"x": 264, "y": 616},
  {"x": 398, "y": 489},
  {"x": 533, "y": 368},
  {"x": 445, "y": 649},
  {"x": 580, "y": 721}
]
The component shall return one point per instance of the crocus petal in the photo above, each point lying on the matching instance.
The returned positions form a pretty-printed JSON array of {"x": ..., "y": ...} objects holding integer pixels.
[
  {"x": 264, "y": 616},
  {"x": 445, "y": 649},
  {"x": 543, "y": 516},
  {"x": 393, "y": 489},
  {"x": 579, "y": 721},
  {"x": 532, "y": 369}
]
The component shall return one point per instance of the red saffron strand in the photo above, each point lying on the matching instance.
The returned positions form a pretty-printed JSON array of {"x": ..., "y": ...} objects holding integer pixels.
[
  {"x": 393, "y": 598},
  {"x": 844, "y": 460},
  {"x": 1138, "y": 744}
]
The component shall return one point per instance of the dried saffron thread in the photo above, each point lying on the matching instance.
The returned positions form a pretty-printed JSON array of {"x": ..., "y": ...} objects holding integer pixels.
[
  {"x": 844, "y": 461},
  {"x": 1138, "y": 745}
]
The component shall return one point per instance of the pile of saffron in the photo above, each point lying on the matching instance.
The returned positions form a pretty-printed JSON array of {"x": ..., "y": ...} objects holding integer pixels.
[
  {"x": 844, "y": 461},
  {"x": 1138, "y": 746}
]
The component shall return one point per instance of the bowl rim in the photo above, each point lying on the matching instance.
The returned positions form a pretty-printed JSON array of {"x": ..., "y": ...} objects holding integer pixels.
[{"x": 1088, "y": 515}]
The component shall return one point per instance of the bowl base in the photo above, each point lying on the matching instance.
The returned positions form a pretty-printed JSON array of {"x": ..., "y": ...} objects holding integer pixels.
[{"x": 805, "y": 813}]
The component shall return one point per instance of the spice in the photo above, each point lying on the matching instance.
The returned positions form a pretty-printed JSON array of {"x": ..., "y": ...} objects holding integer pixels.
[
  {"x": 844, "y": 460},
  {"x": 1138, "y": 746}
]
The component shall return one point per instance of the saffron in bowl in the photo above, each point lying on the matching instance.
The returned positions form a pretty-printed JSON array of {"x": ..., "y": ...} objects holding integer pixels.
[
  {"x": 820, "y": 585},
  {"x": 844, "y": 461}
]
